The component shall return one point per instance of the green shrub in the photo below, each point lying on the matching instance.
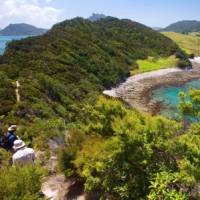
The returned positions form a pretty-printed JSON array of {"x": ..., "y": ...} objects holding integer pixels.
[
  {"x": 183, "y": 64},
  {"x": 20, "y": 183},
  {"x": 167, "y": 186}
]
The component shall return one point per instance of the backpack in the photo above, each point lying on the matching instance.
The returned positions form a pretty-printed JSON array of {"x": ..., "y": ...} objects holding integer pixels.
[{"x": 8, "y": 141}]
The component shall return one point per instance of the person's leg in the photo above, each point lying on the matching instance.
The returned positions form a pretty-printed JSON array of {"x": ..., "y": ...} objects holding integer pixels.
[
  {"x": 1, "y": 143},
  {"x": 10, "y": 161}
]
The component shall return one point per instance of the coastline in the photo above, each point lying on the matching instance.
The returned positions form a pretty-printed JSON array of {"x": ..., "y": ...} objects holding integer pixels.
[{"x": 136, "y": 90}]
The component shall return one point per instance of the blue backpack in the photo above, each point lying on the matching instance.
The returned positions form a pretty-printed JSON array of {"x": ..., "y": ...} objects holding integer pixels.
[{"x": 8, "y": 141}]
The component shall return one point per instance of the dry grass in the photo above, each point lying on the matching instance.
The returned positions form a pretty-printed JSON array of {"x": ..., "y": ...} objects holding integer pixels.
[{"x": 189, "y": 43}]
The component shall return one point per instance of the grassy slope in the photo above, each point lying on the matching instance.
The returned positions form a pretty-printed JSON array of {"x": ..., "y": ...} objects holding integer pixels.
[
  {"x": 152, "y": 64},
  {"x": 189, "y": 43}
]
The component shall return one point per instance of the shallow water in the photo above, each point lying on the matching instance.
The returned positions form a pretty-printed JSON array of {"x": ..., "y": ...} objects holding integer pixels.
[
  {"x": 169, "y": 96},
  {"x": 5, "y": 39}
]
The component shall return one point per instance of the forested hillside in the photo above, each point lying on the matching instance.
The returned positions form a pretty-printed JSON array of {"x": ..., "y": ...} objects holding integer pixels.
[
  {"x": 114, "y": 151},
  {"x": 73, "y": 62},
  {"x": 186, "y": 26}
]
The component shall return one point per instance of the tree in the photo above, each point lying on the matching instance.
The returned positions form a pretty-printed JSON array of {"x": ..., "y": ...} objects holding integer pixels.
[
  {"x": 190, "y": 105},
  {"x": 20, "y": 183},
  {"x": 122, "y": 162}
]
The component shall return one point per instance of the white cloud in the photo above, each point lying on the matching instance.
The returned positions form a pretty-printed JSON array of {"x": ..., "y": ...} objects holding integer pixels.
[{"x": 28, "y": 11}]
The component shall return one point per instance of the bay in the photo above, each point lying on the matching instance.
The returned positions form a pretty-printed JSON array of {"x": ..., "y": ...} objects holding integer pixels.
[
  {"x": 169, "y": 97},
  {"x": 4, "y": 40}
]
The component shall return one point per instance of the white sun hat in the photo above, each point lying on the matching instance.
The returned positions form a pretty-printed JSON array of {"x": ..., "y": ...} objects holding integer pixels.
[
  {"x": 18, "y": 144},
  {"x": 12, "y": 128}
]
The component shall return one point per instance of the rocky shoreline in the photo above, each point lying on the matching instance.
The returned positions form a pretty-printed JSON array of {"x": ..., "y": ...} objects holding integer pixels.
[{"x": 136, "y": 91}]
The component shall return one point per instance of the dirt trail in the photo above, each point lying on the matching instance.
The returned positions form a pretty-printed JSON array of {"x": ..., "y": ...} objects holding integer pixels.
[
  {"x": 56, "y": 187},
  {"x": 17, "y": 91}
]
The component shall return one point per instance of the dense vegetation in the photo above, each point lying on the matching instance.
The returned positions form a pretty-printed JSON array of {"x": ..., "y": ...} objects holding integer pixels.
[
  {"x": 190, "y": 43},
  {"x": 21, "y": 29},
  {"x": 186, "y": 26},
  {"x": 117, "y": 152},
  {"x": 135, "y": 156},
  {"x": 72, "y": 63},
  {"x": 22, "y": 183}
]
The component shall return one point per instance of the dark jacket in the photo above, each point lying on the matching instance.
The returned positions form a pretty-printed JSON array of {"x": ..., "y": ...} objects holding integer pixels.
[{"x": 8, "y": 140}]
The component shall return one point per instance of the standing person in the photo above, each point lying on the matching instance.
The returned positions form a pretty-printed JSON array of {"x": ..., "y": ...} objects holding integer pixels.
[
  {"x": 23, "y": 155},
  {"x": 10, "y": 137}
]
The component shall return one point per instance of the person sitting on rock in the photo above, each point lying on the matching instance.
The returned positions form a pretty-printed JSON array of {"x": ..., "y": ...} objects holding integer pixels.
[
  {"x": 23, "y": 155},
  {"x": 9, "y": 138}
]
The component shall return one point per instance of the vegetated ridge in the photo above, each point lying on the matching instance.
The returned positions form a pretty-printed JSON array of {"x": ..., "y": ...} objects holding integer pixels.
[
  {"x": 185, "y": 26},
  {"x": 73, "y": 62}
]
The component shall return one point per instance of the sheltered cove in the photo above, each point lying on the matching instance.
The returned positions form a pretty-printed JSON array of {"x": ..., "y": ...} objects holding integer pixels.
[{"x": 136, "y": 90}]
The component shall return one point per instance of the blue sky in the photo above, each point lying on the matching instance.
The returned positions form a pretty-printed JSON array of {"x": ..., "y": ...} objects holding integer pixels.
[
  {"x": 45, "y": 13},
  {"x": 149, "y": 12}
]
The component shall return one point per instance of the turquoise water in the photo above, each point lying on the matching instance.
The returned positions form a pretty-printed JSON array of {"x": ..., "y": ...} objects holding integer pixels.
[
  {"x": 169, "y": 96},
  {"x": 5, "y": 39}
]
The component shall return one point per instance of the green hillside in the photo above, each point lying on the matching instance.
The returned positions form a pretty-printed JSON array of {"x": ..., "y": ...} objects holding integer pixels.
[
  {"x": 185, "y": 26},
  {"x": 190, "y": 43},
  {"x": 75, "y": 61},
  {"x": 108, "y": 148}
]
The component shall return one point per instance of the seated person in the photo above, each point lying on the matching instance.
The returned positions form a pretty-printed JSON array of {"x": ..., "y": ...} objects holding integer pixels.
[{"x": 23, "y": 155}]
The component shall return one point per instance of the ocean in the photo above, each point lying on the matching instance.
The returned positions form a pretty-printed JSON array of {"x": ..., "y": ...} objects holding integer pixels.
[
  {"x": 5, "y": 39},
  {"x": 169, "y": 96}
]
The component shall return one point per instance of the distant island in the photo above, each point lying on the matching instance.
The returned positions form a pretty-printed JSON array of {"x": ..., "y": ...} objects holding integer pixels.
[
  {"x": 21, "y": 29},
  {"x": 185, "y": 26}
]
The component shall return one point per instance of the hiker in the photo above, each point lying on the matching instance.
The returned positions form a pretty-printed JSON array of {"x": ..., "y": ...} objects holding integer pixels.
[
  {"x": 23, "y": 155},
  {"x": 8, "y": 141}
]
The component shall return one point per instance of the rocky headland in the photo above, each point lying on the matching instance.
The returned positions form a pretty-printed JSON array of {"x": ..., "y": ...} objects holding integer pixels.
[{"x": 136, "y": 90}]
